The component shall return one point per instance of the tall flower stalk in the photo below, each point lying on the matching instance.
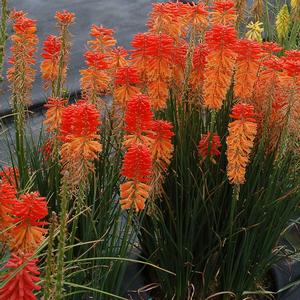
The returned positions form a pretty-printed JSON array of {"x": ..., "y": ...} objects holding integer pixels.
[
  {"x": 21, "y": 76},
  {"x": 3, "y": 33}
]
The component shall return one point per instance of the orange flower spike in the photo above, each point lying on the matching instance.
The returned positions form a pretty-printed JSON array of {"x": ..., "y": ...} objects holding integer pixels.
[
  {"x": 240, "y": 141},
  {"x": 10, "y": 175},
  {"x": 49, "y": 66},
  {"x": 28, "y": 233},
  {"x": 16, "y": 14},
  {"x": 118, "y": 58},
  {"x": 161, "y": 147},
  {"x": 197, "y": 16},
  {"x": 138, "y": 121},
  {"x": 166, "y": 18},
  {"x": 94, "y": 80},
  {"x": 53, "y": 114},
  {"x": 220, "y": 61},
  {"x": 247, "y": 67},
  {"x": 126, "y": 79},
  {"x": 64, "y": 18},
  {"x": 24, "y": 41},
  {"x": 223, "y": 12},
  {"x": 137, "y": 167},
  {"x": 23, "y": 284},
  {"x": 7, "y": 201},
  {"x": 209, "y": 145},
  {"x": 103, "y": 39}
]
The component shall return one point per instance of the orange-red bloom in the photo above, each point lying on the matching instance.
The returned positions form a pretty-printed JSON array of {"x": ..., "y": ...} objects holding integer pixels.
[
  {"x": 137, "y": 170},
  {"x": 221, "y": 41},
  {"x": 161, "y": 147},
  {"x": 49, "y": 66},
  {"x": 246, "y": 68},
  {"x": 137, "y": 163},
  {"x": 79, "y": 134},
  {"x": 53, "y": 114},
  {"x": 126, "y": 79},
  {"x": 103, "y": 39},
  {"x": 22, "y": 285},
  {"x": 223, "y": 12},
  {"x": 28, "y": 232},
  {"x": 118, "y": 58},
  {"x": 240, "y": 141},
  {"x": 10, "y": 175},
  {"x": 138, "y": 120},
  {"x": 24, "y": 41},
  {"x": 209, "y": 145},
  {"x": 7, "y": 201},
  {"x": 64, "y": 17}
]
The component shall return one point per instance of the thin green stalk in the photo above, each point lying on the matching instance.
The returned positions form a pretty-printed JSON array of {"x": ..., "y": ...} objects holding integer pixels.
[
  {"x": 49, "y": 260},
  {"x": 3, "y": 34},
  {"x": 62, "y": 241}
]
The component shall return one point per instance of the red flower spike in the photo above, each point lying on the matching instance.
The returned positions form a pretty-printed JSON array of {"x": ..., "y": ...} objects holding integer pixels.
[
  {"x": 24, "y": 282},
  {"x": 137, "y": 163},
  {"x": 243, "y": 112},
  {"x": 138, "y": 116},
  {"x": 271, "y": 48},
  {"x": 28, "y": 234},
  {"x": 209, "y": 145},
  {"x": 16, "y": 14},
  {"x": 51, "y": 47},
  {"x": 127, "y": 75},
  {"x": 7, "y": 201},
  {"x": 64, "y": 17},
  {"x": 96, "y": 60},
  {"x": 25, "y": 26},
  {"x": 79, "y": 120}
]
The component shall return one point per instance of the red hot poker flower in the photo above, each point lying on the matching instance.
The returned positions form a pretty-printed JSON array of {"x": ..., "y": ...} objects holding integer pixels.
[
  {"x": 138, "y": 120},
  {"x": 28, "y": 233},
  {"x": 209, "y": 145},
  {"x": 243, "y": 112},
  {"x": 79, "y": 120},
  {"x": 137, "y": 163},
  {"x": 221, "y": 42},
  {"x": 64, "y": 17},
  {"x": 240, "y": 141},
  {"x": 24, "y": 282},
  {"x": 7, "y": 202},
  {"x": 125, "y": 80},
  {"x": 223, "y": 12},
  {"x": 161, "y": 147},
  {"x": 96, "y": 60}
]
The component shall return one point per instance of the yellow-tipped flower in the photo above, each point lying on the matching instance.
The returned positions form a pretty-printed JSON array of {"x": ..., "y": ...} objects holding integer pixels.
[
  {"x": 255, "y": 31},
  {"x": 283, "y": 22}
]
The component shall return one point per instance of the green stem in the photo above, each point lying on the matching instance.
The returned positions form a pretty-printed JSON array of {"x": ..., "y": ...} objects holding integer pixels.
[
  {"x": 79, "y": 202},
  {"x": 49, "y": 260},
  {"x": 3, "y": 33},
  {"x": 62, "y": 241}
]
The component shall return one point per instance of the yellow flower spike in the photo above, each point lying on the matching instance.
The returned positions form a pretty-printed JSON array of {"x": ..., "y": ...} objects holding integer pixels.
[
  {"x": 255, "y": 31},
  {"x": 295, "y": 4},
  {"x": 283, "y": 22}
]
